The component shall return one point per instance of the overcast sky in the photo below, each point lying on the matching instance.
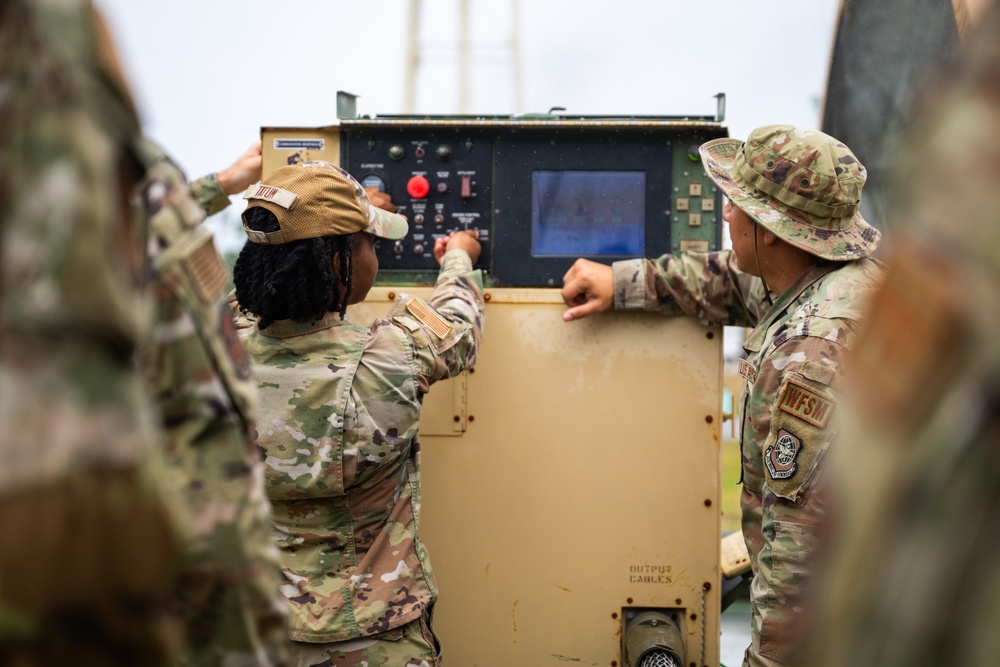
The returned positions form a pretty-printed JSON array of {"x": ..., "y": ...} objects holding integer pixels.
[{"x": 207, "y": 74}]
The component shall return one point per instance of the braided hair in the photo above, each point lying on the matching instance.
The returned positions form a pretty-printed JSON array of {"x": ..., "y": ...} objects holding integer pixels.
[{"x": 292, "y": 280}]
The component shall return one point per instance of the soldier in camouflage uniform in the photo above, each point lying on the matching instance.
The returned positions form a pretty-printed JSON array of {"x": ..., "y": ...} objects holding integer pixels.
[
  {"x": 89, "y": 550},
  {"x": 340, "y": 409},
  {"x": 196, "y": 365},
  {"x": 76, "y": 433},
  {"x": 918, "y": 580},
  {"x": 792, "y": 209}
]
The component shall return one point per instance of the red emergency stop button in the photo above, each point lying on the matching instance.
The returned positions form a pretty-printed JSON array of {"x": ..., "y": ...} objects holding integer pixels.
[{"x": 418, "y": 187}]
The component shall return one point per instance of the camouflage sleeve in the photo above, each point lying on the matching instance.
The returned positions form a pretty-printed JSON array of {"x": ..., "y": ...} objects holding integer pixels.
[
  {"x": 447, "y": 328},
  {"x": 795, "y": 504},
  {"x": 207, "y": 192},
  {"x": 707, "y": 286}
]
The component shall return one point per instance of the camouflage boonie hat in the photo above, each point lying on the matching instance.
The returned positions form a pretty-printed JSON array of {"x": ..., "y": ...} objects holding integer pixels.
[
  {"x": 802, "y": 185},
  {"x": 314, "y": 199}
]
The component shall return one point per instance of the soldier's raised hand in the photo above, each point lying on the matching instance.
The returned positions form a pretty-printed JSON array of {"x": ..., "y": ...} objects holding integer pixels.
[
  {"x": 243, "y": 173},
  {"x": 467, "y": 240},
  {"x": 379, "y": 199}
]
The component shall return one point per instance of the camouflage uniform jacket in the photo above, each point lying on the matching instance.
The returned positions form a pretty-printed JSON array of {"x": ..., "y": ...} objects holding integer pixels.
[
  {"x": 792, "y": 372},
  {"x": 915, "y": 579},
  {"x": 200, "y": 373},
  {"x": 87, "y": 532},
  {"x": 71, "y": 309},
  {"x": 340, "y": 408}
]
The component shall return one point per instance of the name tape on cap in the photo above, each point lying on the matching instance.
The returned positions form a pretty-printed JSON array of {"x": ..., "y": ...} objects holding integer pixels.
[{"x": 282, "y": 198}]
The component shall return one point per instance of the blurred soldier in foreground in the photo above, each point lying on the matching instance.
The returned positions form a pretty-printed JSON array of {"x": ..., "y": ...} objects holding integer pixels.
[
  {"x": 200, "y": 374},
  {"x": 918, "y": 580},
  {"x": 77, "y": 161},
  {"x": 796, "y": 228},
  {"x": 88, "y": 552}
]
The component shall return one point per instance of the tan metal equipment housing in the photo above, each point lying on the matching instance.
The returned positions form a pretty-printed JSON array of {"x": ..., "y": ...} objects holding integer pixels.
[{"x": 571, "y": 480}]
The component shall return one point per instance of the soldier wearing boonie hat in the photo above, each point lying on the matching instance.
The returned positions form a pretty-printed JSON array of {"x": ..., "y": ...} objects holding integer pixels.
[
  {"x": 797, "y": 234},
  {"x": 340, "y": 410},
  {"x": 802, "y": 185}
]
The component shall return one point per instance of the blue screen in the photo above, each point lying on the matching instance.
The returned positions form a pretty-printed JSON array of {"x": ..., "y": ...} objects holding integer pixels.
[{"x": 588, "y": 213}]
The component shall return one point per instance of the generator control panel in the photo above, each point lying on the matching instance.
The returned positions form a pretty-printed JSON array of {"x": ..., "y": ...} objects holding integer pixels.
[{"x": 540, "y": 190}]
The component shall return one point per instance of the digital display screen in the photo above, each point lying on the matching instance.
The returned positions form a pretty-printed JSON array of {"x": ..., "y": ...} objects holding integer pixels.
[{"x": 577, "y": 213}]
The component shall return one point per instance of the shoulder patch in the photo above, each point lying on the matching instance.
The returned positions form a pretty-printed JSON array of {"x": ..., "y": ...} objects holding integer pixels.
[
  {"x": 429, "y": 317},
  {"x": 206, "y": 269},
  {"x": 808, "y": 405},
  {"x": 780, "y": 457}
]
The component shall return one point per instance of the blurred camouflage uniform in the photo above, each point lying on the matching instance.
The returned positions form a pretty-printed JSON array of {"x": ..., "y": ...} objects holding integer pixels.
[
  {"x": 200, "y": 373},
  {"x": 71, "y": 320},
  {"x": 88, "y": 553},
  {"x": 918, "y": 580},
  {"x": 340, "y": 409},
  {"x": 795, "y": 354}
]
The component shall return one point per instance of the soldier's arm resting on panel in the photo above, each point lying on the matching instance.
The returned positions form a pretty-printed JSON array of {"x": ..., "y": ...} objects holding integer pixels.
[{"x": 707, "y": 286}]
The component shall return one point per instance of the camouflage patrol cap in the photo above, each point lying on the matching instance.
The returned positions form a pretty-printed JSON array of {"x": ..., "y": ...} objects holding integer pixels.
[
  {"x": 314, "y": 199},
  {"x": 802, "y": 185}
]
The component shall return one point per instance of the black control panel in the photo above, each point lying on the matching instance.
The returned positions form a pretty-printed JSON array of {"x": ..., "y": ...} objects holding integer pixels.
[
  {"x": 441, "y": 181},
  {"x": 539, "y": 192}
]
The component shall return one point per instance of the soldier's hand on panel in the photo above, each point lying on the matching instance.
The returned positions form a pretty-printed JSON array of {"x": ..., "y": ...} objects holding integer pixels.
[
  {"x": 243, "y": 173},
  {"x": 380, "y": 199},
  {"x": 588, "y": 288},
  {"x": 463, "y": 240}
]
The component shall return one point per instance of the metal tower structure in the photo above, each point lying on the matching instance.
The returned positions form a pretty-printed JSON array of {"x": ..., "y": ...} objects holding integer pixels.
[{"x": 416, "y": 51}]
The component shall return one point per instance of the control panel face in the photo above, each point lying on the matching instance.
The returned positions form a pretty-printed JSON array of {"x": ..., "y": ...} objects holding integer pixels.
[
  {"x": 440, "y": 181},
  {"x": 540, "y": 197}
]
